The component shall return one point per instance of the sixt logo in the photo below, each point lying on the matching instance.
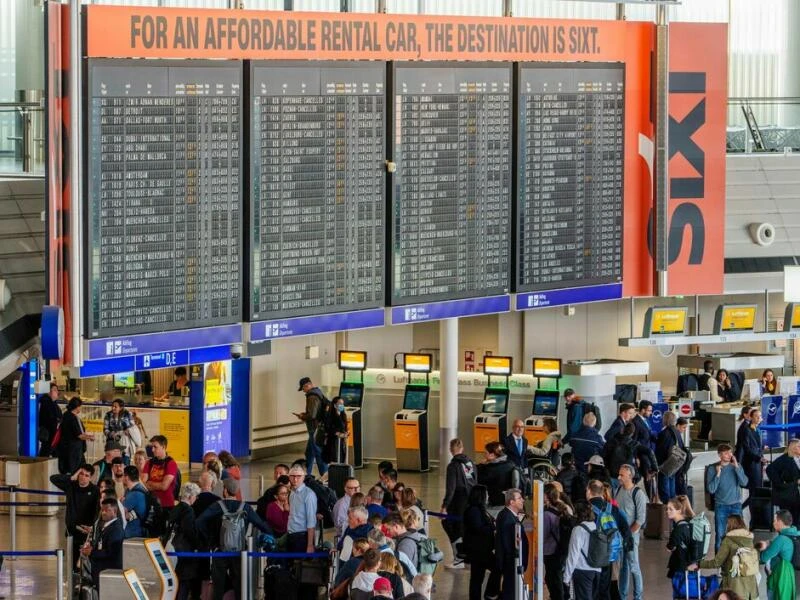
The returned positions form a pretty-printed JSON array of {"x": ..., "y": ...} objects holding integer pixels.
[{"x": 773, "y": 409}]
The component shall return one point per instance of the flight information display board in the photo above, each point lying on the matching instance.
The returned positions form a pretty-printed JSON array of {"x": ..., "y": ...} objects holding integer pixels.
[
  {"x": 318, "y": 188},
  {"x": 164, "y": 195},
  {"x": 569, "y": 175},
  {"x": 451, "y": 194}
]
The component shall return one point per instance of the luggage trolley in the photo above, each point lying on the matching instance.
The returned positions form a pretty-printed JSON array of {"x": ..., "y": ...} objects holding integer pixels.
[
  {"x": 411, "y": 423},
  {"x": 492, "y": 422},
  {"x": 545, "y": 402}
]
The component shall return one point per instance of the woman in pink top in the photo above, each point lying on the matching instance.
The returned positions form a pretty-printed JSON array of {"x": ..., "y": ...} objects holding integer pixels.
[{"x": 278, "y": 511}]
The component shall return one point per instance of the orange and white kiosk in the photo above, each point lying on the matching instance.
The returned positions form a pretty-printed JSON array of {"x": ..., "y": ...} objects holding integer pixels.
[
  {"x": 492, "y": 423},
  {"x": 545, "y": 401},
  {"x": 411, "y": 423},
  {"x": 352, "y": 392}
]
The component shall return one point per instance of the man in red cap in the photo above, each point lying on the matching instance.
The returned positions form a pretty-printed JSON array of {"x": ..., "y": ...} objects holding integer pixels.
[{"x": 382, "y": 588}]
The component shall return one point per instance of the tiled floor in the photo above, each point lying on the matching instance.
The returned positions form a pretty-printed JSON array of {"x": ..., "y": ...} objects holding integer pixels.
[{"x": 36, "y": 577}]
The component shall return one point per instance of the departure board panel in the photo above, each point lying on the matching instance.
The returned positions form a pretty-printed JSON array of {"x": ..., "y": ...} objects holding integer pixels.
[
  {"x": 570, "y": 175},
  {"x": 318, "y": 188},
  {"x": 451, "y": 195},
  {"x": 164, "y": 195}
]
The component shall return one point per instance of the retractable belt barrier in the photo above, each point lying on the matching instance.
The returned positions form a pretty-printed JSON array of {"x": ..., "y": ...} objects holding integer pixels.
[
  {"x": 444, "y": 516},
  {"x": 59, "y": 554},
  {"x": 779, "y": 426}
]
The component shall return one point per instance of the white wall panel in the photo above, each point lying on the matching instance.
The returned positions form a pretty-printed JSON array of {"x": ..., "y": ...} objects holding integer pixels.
[{"x": 563, "y": 9}]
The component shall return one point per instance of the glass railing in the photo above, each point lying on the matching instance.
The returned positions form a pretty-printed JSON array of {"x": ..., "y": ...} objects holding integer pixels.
[
  {"x": 22, "y": 147},
  {"x": 763, "y": 125}
]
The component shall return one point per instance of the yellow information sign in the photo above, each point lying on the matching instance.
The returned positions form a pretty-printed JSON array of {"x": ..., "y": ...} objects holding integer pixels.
[
  {"x": 668, "y": 320},
  {"x": 547, "y": 367},
  {"x": 796, "y": 316},
  {"x": 497, "y": 365},
  {"x": 738, "y": 318},
  {"x": 417, "y": 363},
  {"x": 354, "y": 360}
]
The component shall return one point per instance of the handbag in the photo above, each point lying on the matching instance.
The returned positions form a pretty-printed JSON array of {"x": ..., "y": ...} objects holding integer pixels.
[
  {"x": 674, "y": 462},
  {"x": 135, "y": 435},
  {"x": 56, "y": 437},
  {"x": 312, "y": 571}
]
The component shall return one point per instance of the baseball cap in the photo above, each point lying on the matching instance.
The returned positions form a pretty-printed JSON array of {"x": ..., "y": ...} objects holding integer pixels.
[
  {"x": 382, "y": 585},
  {"x": 596, "y": 460},
  {"x": 303, "y": 381}
]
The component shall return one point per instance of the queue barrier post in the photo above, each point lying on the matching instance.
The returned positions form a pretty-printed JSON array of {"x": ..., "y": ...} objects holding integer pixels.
[
  {"x": 12, "y": 519},
  {"x": 244, "y": 570},
  {"x": 70, "y": 561},
  {"x": 59, "y": 574},
  {"x": 260, "y": 486}
]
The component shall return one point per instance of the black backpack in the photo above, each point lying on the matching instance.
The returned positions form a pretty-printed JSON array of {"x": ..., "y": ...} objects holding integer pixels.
[
  {"x": 566, "y": 524},
  {"x": 709, "y": 497},
  {"x": 621, "y": 454},
  {"x": 154, "y": 520},
  {"x": 796, "y": 551},
  {"x": 598, "y": 554},
  {"x": 326, "y": 499}
]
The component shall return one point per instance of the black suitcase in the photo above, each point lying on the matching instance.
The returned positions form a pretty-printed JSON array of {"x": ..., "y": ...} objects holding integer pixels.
[
  {"x": 280, "y": 583},
  {"x": 339, "y": 472},
  {"x": 761, "y": 509}
]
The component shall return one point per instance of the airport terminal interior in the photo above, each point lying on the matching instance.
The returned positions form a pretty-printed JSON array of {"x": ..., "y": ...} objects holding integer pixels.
[{"x": 455, "y": 215}]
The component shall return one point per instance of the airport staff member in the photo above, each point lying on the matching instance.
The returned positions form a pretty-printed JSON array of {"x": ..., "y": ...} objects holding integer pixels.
[{"x": 176, "y": 387}]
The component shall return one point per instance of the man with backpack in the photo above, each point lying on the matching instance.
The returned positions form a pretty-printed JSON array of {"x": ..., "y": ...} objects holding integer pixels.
[
  {"x": 782, "y": 555},
  {"x": 632, "y": 502},
  {"x": 460, "y": 480},
  {"x": 724, "y": 481},
  {"x": 313, "y": 416},
  {"x": 586, "y": 441},
  {"x": 506, "y": 541},
  {"x": 611, "y": 521},
  {"x": 224, "y": 525},
  {"x": 137, "y": 503},
  {"x": 623, "y": 449},
  {"x": 576, "y": 410},
  {"x": 161, "y": 475}
]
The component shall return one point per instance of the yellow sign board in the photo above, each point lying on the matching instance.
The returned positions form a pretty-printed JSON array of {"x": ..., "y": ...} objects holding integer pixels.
[
  {"x": 668, "y": 320},
  {"x": 497, "y": 365},
  {"x": 349, "y": 359},
  {"x": 738, "y": 318},
  {"x": 417, "y": 363},
  {"x": 547, "y": 367},
  {"x": 796, "y": 316}
]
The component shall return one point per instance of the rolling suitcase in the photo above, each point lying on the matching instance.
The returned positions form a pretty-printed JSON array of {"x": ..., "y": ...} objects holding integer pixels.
[
  {"x": 657, "y": 525},
  {"x": 339, "y": 472},
  {"x": 761, "y": 509}
]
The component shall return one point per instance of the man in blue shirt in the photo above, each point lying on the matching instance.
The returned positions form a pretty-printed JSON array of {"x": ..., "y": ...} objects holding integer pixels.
[
  {"x": 135, "y": 502},
  {"x": 725, "y": 480},
  {"x": 302, "y": 513},
  {"x": 586, "y": 441}
]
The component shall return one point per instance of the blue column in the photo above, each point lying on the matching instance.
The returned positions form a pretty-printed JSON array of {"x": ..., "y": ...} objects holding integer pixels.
[{"x": 27, "y": 411}]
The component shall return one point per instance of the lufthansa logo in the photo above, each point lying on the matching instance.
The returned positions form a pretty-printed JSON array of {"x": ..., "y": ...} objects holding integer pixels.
[
  {"x": 796, "y": 409},
  {"x": 773, "y": 408},
  {"x": 381, "y": 378},
  {"x": 657, "y": 415}
]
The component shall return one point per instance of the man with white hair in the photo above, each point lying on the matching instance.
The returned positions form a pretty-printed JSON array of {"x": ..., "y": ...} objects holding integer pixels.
[
  {"x": 422, "y": 584},
  {"x": 206, "y": 497},
  {"x": 357, "y": 527},
  {"x": 340, "y": 509},
  {"x": 302, "y": 526}
]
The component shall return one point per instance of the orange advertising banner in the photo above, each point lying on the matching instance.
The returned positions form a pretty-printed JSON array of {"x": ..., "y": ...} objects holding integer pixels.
[{"x": 698, "y": 92}]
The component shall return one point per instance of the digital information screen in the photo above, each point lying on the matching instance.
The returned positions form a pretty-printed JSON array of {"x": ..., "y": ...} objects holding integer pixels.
[
  {"x": 545, "y": 403},
  {"x": 451, "y": 195},
  {"x": 495, "y": 402},
  {"x": 164, "y": 196},
  {"x": 570, "y": 175},
  {"x": 416, "y": 397},
  {"x": 352, "y": 394},
  {"x": 318, "y": 188}
]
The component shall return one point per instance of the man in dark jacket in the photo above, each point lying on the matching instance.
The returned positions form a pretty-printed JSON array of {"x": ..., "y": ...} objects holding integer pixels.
[
  {"x": 644, "y": 435},
  {"x": 497, "y": 473},
  {"x": 107, "y": 553},
  {"x": 784, "y": 473},
  {"x": 576, "y": 410},
  {"x": 312, "y": 416},
  {"x": 625, "y": 416},
  {"x": 81, "y": 503},
  {"x": 595, "y": 494},
  {"x": 516, "y": 445},
  {"x": 506, "y": 541},
  {"x": 49, "y": 417},
  {"x": 586, "y": 441},
  {"x": 460, "y": 480},
  {"x": 623, "y": 449}
]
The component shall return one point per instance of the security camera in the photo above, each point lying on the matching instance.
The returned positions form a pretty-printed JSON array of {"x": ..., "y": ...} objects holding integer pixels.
[
  {"x": 762, "y": 234},
  {"x": 236, "y": 351}
]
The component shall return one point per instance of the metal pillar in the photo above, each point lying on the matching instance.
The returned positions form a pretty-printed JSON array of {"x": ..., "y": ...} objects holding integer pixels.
[
  {"x": 661, "y": 173},
  {"x": 448, "y": 390},
  {"x": 76, "y": 181},
  {"x": 620, "y": 11},
  {"x": 508, "y": 6},
  {"x": 60, "y": 574},
  {"x": 380, "y": 6}
]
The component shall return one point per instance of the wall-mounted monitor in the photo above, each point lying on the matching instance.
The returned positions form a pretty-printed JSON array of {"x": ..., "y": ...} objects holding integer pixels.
[
  {"x": 416, "y": 397},
  {"x": 352, "y": 360},
  {"x": 352, "y": 394},
  {"x": 495, "y": 401},
  {"x": 497, "y": 365},
  {"x": 545, "y": 403},
  {"x": 735, "y": 318},
  {"x": 665, "y": 321},
  {"x": 125, "y": 380},
  {"x": 547, "y": 367},
  {"x": 417, "y": 363}
]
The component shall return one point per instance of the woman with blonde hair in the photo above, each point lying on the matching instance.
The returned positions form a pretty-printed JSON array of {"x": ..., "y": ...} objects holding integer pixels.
[
  {"x": 391, "y": 568},
  {"x": 408, "y": 500},
  {"x": 736, "y": 537},
  {"x": 679, "y": 510}
]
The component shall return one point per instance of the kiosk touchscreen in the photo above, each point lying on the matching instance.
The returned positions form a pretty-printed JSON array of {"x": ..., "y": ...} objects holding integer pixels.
[
  {"x": 491, "y": 424},
  {"x": 411, "y": 423},
  {"x": 116, "y": 584},
  {"x": 149, "y": 560},
  {"x": 545, "y": 402},
  {"x": 353, "y": 394}
]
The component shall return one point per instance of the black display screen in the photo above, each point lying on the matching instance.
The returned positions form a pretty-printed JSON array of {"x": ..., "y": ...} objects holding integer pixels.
[
  {"x": 164, "y": 203},
  {"x": 495, "y": 401},
  {"x": 416, "y": 397},
  {"x": 569, "y": 175},
  {"x": 318, "y": 187},
  {"x": 451, "y": 193},
  {"x": 352, "y": 394},
  {"x": 545, "y": 403}
]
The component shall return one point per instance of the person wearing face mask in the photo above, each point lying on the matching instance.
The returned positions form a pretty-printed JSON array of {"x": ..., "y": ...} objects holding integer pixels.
[{"x": 335, "y": 423}]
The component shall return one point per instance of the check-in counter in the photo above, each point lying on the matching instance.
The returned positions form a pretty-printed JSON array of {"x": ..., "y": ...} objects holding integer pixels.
[
  {"x": 725, "y": 421},
  {"x": 733, "y": 361}
]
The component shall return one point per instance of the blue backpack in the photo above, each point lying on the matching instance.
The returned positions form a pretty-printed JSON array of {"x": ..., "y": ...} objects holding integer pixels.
[{"x": 605, "y": 521}]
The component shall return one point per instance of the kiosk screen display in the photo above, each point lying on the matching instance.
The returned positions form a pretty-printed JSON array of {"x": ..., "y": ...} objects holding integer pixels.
[
  {"x": 416, "y": 398},
  {"x": 124, "y": 380},
  {"x": 495, "y": 401},
  {"x": 545, "y": 403},
  {"x": 352, "y": 394}
]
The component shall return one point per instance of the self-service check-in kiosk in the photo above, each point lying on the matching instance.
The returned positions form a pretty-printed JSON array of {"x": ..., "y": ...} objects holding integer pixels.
[
  {"x": 352, "y": 392},
  {"x": 545, "y": 402},
  {"x": 116, "y": 584},
  {"x": 149, "y": 560},
  {"x": 492, "y": 422},
  {"x": 411, "y": 423}
]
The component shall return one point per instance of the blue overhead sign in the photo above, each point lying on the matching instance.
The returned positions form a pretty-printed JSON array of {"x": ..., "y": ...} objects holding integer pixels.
[
  {"x": 154, "y": 360},
  {"x": 595, "y": 293},
  {"x": 152, "y": 343},
  {"x": 279, "y": 328},
  {"x": 161, "y": 360},
  {"x": 433, "y": 311}
]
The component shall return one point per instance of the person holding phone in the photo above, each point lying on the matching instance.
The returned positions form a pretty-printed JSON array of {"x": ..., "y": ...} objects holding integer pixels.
[{"x": 81, "y": 504}]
